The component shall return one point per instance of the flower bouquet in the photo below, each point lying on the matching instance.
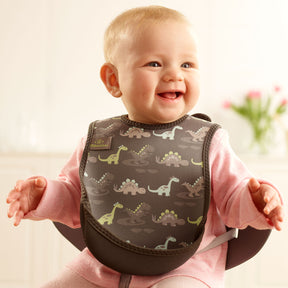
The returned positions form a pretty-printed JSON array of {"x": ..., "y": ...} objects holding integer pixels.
[{"x": 261, "y": 111}]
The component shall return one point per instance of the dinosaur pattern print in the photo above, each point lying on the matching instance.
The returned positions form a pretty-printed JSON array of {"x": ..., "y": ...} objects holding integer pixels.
[
  {"x": 164, "y": 189},
  {"x": 130, "y": 186},
  {"x": 108, "y": 217},
  {"x": 114, "y": 158},
  {"x": 146, "y": 184},
  {"x": 168, "y": 217},
  {"x": 172, "y": 158}
]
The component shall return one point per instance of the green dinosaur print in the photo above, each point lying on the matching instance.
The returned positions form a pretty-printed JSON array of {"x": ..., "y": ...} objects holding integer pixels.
[
  {"x": 197, "y": 163},
  {"x": 196, "y": 222},
  {"x": 114, "y": 158},
  {"x": 108, "y": 218}
]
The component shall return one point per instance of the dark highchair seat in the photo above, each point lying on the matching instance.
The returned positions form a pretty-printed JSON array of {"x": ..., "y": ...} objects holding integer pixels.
[{"x": 248, "y": 243}]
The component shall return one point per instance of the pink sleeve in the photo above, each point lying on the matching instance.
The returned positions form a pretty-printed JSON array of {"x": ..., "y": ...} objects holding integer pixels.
[
  {"x": 229, "y": 178},
  {"x": 61, "y": 200}
]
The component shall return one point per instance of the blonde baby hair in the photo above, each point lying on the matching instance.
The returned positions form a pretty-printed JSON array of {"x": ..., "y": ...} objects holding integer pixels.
[{"x": 134, "y": 19}]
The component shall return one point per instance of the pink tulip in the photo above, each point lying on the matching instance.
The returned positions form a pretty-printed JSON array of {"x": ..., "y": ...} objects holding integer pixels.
[
  {"x": 277, "y": 88},
  {"x": 227, "y": 104},
  {"x": 254, "y": 94},
  {"x": 284, "y": 102}
]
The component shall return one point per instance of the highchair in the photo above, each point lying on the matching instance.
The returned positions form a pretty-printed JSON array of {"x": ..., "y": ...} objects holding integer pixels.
[{"x": 244, "y": 245}]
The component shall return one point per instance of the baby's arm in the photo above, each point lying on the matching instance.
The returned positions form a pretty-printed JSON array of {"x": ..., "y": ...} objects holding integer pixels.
[
  {"x": 268, "y": 202},
  {"x": 231, "y": 192},
  {"x": 25, "y": 197},
  {"x": 38, "y": 198}
]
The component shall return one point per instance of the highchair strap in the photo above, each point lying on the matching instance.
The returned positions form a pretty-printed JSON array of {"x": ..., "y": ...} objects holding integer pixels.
[
  {"x": 225, "y": 237},
  {"x": 125, "y": 279}
]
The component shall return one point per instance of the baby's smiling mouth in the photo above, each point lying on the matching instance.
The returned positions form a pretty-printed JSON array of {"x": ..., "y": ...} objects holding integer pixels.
[{"x": 171, "y": 95}]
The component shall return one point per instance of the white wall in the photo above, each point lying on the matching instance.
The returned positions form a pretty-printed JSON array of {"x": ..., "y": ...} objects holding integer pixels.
[
  {"x": 51, "y": 53},
  {"x": 50, "y": 56}
]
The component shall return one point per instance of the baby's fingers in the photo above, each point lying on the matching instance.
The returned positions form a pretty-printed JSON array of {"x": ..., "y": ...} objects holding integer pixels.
[
  {"x": 13, "y": 208},
  {"x": 276, "y": 217},
  {"x": 273, "y": 209},
  {"x": 32, "y": 183},
  {"x": 15, "y": 193},
  {"x": 272, "y": 201},
  {"x": 18, "y": 217},
  {"x": 13, "y": 196},
  {"x": 253, "y": 185}
]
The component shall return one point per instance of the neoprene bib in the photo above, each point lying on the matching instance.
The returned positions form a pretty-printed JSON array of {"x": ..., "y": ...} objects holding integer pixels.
[{"x": 145, "y": 192}]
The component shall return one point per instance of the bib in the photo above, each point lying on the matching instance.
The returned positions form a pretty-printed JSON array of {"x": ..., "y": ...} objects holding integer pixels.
[{"x": 145, "y": 192}]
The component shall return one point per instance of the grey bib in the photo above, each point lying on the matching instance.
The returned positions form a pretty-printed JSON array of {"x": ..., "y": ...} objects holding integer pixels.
[{"x": 145, "y": 192}]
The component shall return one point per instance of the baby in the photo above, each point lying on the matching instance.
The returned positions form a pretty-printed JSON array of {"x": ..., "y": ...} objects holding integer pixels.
[{"x": 152, "y": 66}]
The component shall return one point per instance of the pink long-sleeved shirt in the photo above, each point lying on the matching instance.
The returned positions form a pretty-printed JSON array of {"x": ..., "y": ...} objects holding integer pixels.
[{"x": 231, "y": 205}]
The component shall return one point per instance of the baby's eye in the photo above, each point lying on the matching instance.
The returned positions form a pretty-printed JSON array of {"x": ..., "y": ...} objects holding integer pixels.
[
  {"x": 153, "y": 64},
  {"x": 187, "y": 65}
]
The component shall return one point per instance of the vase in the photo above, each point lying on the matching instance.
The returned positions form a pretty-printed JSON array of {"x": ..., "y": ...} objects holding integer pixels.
[{"x": 262, "y": 139}]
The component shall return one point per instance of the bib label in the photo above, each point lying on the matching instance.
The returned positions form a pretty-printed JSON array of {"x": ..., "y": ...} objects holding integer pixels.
[{"x": 103, "y": 143}]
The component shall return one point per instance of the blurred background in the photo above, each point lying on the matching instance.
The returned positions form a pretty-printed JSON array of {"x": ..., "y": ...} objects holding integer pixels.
[{"x": 50, "y": 90}]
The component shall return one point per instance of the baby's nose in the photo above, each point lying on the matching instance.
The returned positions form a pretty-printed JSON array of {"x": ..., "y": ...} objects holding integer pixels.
[{"x": 173, "y": 74}]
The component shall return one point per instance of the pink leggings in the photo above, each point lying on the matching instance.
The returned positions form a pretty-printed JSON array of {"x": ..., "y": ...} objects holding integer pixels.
[{"x": 73, "y": 280}]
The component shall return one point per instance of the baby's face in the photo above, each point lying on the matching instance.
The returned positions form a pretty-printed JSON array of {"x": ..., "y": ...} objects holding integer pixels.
[{"x": 158, "y": 72}]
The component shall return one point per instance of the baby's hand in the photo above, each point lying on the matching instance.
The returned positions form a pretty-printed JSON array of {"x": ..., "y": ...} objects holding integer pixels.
[
  {"x": 267, "y": 201},
  {"x": 25, "y": 197}
]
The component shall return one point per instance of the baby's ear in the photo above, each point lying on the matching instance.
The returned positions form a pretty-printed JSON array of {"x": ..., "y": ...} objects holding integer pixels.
[{"x": 109, "y": 76}]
